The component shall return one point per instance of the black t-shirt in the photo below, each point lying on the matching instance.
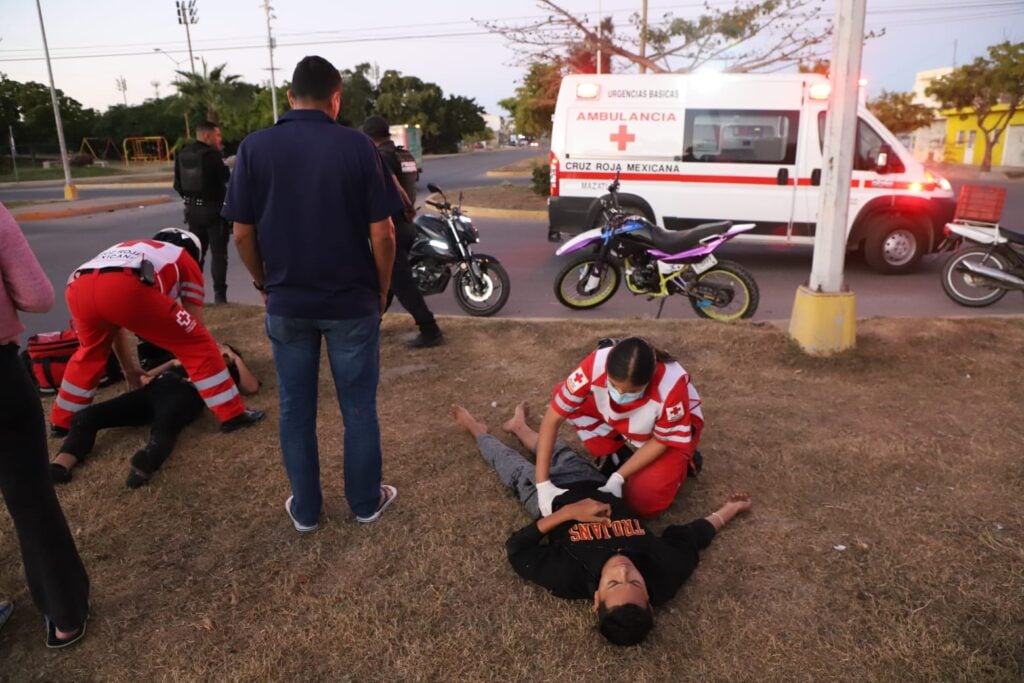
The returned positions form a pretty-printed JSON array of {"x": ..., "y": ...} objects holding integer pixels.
[{"x": 569, "y": 564}]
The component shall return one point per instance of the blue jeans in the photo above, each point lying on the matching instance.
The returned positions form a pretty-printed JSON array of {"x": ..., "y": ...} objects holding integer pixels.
[{"x": 353, "y": 350}]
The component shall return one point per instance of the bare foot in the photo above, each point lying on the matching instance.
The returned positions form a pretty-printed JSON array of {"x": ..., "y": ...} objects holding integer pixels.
[
  {"x": 518, "y": 419},
  {"x": 66, "y": 460},
  {"x": 463, "y": 418}
]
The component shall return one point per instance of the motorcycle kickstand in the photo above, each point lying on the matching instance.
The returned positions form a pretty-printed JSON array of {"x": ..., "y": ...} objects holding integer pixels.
[{"x": 660, "y": 307}]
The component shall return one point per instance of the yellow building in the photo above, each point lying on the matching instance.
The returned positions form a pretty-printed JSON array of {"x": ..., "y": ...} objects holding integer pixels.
[{"x": 965, "y": 143}]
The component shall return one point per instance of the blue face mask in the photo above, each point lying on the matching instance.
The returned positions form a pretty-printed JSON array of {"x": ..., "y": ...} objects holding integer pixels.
[{"x": 620, "y": 398}]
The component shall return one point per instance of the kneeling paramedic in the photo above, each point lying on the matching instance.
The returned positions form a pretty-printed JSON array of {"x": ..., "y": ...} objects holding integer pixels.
[{"x": 153, "y": 288}]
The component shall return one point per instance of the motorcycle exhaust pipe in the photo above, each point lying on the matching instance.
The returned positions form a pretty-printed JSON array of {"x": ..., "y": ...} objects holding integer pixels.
[{"x": 1000, "y": 277}]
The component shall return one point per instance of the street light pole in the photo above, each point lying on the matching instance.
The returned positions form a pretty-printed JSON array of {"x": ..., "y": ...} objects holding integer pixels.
[
  {"x": 824, "y": 315},
  {"x": 70, "y": 191},
  {"x": 188, "y": 132},
  {"x": 270, "y": 48},
  {"x": 187, "y": 15}
]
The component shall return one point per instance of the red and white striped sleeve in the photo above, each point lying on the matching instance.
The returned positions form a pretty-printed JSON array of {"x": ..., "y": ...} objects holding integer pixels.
[
  {"x": 674, "y": 427},
  {"x": 574, "y": 390},
  {"x": 190, "y": 280}
]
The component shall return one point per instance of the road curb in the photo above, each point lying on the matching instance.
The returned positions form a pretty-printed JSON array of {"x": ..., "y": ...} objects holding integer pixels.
[
  {"x": 510, "y": 174},
  {"x": 162, "y": 185},
  {"x": 71, "y": 211},
  {"x": 510, "y": 214}
]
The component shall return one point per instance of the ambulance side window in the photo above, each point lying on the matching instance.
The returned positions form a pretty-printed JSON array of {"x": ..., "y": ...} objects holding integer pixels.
[
  {"x": 727, "y": 136},
  {"x": 869, "y": 144}
]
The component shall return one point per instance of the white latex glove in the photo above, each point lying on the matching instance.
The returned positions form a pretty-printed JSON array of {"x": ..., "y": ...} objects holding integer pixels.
[
  {"x": 614, "y": 485},
  {"x": 546, "y": 494}
]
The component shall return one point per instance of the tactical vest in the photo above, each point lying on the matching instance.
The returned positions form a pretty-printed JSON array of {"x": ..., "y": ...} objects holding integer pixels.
[
  {"x": 190, "y": 169},
  {"x": 410, "y": 172}
]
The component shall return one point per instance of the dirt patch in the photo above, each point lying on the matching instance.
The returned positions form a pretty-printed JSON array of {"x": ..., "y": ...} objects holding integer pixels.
[
  {"x": 905, "y": 453},
  {"x": 504, "y": 196},
  {"x": 523, "y": 165}
]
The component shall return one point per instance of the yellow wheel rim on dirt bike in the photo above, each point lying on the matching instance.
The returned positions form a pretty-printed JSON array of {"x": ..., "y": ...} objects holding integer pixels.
[{"x": 713, "y": 312}]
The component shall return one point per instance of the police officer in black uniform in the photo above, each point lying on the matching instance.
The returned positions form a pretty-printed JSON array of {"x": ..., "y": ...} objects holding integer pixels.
[
  {"x": 201, "y": 178},
  {"x": 402, "y": 283}
]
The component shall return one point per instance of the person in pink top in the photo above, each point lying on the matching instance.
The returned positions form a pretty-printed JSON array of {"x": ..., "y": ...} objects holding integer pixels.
[{"x": 56, "y": 578}]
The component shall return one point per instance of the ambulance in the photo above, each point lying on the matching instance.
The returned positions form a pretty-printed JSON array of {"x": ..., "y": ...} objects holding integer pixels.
[{"x": 697, "y": 148}]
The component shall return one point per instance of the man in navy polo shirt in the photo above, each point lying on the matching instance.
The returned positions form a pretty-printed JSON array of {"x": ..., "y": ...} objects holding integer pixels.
[{"x": 311, "y": 205}]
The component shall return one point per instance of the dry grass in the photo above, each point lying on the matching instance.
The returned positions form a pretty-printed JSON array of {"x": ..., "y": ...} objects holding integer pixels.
[
  {"x": 504, "y": 196},
  {"x": 906, "y": 451},
  {"x": 524, "y": 165}
]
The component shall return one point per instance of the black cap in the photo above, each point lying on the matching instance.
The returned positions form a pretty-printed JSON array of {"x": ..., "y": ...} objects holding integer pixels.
[{"x": 377, "y": 127}]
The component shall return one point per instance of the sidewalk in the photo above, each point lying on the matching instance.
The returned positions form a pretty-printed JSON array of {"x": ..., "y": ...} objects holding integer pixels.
[
  {"x": 82, "y": 207},
  {"x": 968, "y": 172}
]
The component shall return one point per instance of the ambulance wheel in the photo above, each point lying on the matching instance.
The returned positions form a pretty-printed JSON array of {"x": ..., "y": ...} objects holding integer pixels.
[
  {"x": 575, "y": 288},
  {"x": 894, "y": 245}
]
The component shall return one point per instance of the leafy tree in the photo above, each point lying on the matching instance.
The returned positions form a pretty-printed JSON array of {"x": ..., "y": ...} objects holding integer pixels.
[
  {"x": 357, "y": 94},
  {"x": 533, "y": 104},
  {"x": 750, "y": 36},
  {"x": 409, "y": 100},
  {"x": 207, "y": 90},
  {"x": 980, "y": 86},
  {"x": 460, "y": 118},
  {"x": 899, "y": 113},
  {"x": 164, "y": 117},
  {"x": 28, "y": 109}
]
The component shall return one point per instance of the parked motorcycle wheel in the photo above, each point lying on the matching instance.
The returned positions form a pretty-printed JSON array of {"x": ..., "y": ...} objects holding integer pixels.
[
  {"x": 495, "y": 290},
  {"x": 967, "y": 289},
  {"x": 571, "y": 280},
  {"x": 733, "y": 291}
]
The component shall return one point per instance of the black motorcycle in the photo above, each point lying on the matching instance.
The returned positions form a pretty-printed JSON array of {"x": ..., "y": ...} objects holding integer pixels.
[{"x": 443, "y": 248}]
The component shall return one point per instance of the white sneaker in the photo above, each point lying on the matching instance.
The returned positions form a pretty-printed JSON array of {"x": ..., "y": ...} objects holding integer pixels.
[
  {"x": 390, "y": 493},
  {"x": 301, "y": 528}
]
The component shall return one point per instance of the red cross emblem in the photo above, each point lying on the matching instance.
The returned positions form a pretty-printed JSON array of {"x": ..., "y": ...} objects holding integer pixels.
[
  {"x": 623, "y": 138},
  {"x": 675, "y": 412},
  {"x": 578, "y": 377}
]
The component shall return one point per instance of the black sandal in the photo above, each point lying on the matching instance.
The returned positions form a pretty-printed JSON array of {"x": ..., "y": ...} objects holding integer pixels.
[
  {"x": 55, "y": 643},
  {"x": 59, "y": 474},
  {"x": 137, "y": 478}
]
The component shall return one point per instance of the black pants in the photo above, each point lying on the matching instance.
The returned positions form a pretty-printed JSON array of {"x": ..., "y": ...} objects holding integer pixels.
[
  {"x": 168, "y": 403},
  {"x": 402, "y": 283},
  {"x": 213, "y": 233},
  {"x": 56, "y": 578}
]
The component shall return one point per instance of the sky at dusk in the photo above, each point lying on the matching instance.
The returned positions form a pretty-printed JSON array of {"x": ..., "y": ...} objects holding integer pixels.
[{"x": 436, "y": 40}]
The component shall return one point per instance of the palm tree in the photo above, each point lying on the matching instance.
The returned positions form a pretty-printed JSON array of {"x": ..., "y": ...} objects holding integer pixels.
[{"x": 207, "y": 90}]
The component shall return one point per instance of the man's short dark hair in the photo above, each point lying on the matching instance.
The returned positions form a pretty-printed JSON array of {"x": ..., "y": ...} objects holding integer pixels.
[
  {"x": 206, "y": 127},
  {"x": 626, "y": 624},
  {"x": 315, "y": 80}
]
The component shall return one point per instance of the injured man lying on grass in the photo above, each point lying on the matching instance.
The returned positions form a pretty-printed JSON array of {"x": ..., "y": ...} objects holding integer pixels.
[
  {"x": 168, "y": 401},
  {"x": 596, "y": 547}
]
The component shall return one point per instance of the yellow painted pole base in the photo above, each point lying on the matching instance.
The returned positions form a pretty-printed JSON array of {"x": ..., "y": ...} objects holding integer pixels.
[
  {"x": 824, "y": 324},
  {"x": 70, "y": 192}
]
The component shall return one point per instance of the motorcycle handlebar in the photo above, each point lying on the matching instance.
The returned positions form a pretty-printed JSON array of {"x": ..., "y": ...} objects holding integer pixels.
[{"x": 437, "y": 205}]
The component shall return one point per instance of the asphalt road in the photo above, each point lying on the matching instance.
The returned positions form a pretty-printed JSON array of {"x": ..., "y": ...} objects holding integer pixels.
[
  {"x": 522, "y": 247},
  {"x": 465, "y": 170}
]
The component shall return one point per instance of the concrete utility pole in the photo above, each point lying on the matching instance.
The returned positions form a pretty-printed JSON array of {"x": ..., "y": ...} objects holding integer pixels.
[
  {"x": 643, "y": 35},
  {"x": 70, "y": 191},
  {"x": 824, "y": 315},
  {"x": 187, "y": 15},
  {"x": 270, "y": 48},
  {"x": 14, "y": 153}
]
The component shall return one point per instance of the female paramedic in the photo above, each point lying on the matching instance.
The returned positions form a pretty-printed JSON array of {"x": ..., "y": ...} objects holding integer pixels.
[{"x": 623, "y": 397}]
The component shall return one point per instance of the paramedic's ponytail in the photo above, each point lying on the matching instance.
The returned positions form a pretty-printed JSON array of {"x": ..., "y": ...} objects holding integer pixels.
[{"x": 634, "y": 360}]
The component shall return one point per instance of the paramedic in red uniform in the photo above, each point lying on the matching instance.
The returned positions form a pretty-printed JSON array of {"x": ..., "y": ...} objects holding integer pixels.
[
  {"x": 153, "y": 288},
  {"x": 627, "y": 395}
]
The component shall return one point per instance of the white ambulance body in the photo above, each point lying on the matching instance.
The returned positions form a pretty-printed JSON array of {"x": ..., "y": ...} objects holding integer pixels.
[{"x": 742, "y": 147}]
